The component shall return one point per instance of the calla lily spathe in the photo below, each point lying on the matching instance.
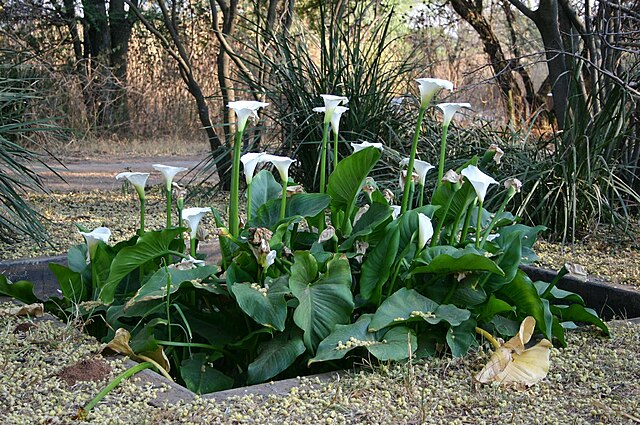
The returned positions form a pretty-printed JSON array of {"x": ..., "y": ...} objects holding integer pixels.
[
  {"x": 479, "y": 180},
  {"x": 420, "y": 167},
  {"x": 331, "y": 102},
  {"x": 450, "y": 109},
  {"x": 193, "y": 216},
  {"x": 168, "y": 172},
  {"x": 93, "y": 238},
  {"x": 245, "y": 109},
  {"x": 335, "y": 116},
  {"x": 425, "y": 230},
  {"x": 282, "y": 164},
  {"x": 429, "y": 87},
  {"x": 250, "y": 161},
  {"x": 357, "y": 147},
  {"x": 138, "y": 180}
]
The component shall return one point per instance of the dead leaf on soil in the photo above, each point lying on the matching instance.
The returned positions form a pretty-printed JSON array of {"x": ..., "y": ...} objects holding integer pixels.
[
  {"x": 120, "y": 344},
  {"x": 32, "y": 310},
  {"x": 513, "y": 364}
]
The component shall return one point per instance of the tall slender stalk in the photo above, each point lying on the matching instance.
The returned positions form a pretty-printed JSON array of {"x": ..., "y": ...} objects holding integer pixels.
[
  {"x": 323, "y": 156},
  {"x": 234, "y": 219},
  {"x": 412, "y": 159},
  {"x": 443, "y": 148}
]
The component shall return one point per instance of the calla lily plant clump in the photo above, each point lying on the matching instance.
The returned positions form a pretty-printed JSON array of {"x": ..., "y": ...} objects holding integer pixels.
[{"x": 313, "y": 279}]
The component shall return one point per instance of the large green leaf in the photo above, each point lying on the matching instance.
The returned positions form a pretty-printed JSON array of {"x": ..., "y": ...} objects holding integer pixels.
[
  {"x": 325, "y": 301},
  {"x": 390, "y": 345},
  {"x": 347, "y": 179},
  {"x": 578, "y": 313},
  {"x": 508, "y": 261},
  {"x": 447, "y": 260},
  {"x": 275, "y": 356},
  {"x": 492, "y": 307},
  {"x": 263, "y": 189},
  {"x": 395, "y": 344},
  {"x": 462, "y": 337},
  {"x": 201, "y": 378},
  {"x": 21, "y": 290},
  {"x": 299, "y": 205},
  {"x": 268, "y": 309},
  {"x": 377, "y": 214},
  {"x": 409, "y": 305},
  {"x": 377, "y": 267},
  {"x": 71, "y": 283},
  {"x": 151, "y": 245},
  {"x": 523, "y": 295},
  {"x": 156, "y": 287},
  {"x": 528, "y": 236}
]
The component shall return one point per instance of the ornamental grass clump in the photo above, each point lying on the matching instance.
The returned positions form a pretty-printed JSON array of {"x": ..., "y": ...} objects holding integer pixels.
[{"x": 312, "y": 278}]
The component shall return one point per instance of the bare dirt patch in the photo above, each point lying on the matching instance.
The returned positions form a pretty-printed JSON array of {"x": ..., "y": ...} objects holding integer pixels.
[{"x": 91, "y": 369}]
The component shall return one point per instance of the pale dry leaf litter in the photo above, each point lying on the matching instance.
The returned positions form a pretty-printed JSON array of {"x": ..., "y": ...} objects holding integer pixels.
[{"x": 594, "y": 380}]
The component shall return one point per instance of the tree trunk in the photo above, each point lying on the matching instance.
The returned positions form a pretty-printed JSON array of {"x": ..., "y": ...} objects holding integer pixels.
[
  {"x": 509, "y": 89},
  {"x": 120, "y": 25}
]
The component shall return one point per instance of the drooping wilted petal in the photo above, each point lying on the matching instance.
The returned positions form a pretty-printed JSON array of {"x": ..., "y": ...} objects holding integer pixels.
[
  {"x": 429, "y": 87},
  {"x": 498, "y": 153},
  {"x": 512, "y": 363},
  {"x": 450, "y": 109},
  {"x": 479, "y": 180},
  {"x": 169, "y": 172},
  {"x": 245, "y": 109}
]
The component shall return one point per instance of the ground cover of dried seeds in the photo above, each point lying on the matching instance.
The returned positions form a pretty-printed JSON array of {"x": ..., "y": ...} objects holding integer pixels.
[{"x": 594, "y": 380}]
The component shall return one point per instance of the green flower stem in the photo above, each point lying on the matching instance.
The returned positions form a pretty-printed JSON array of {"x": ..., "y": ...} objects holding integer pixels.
[
  {"x": 168, "y": 193},
  {"x": 494, "y": 220},
  {"x": 489, "y": 337},
  {"x": 563, "y": 271},
  {"x": 283, "y": 202},
  {"x": 323, "y": 156},
  {"x": 335, "y": 152},
  {"x": 142, "y": 208},
  {"x": 443, "y": 149},
  {"x": 467, "y": 220},
  {"x": 436, "y": 233},
  {"x": 168, "y": 303},
  {"x": 192, "y": 244},
  {"x": 234, "y": 220},
  {"x": 180, "y": 208},
  {"x": 412, "y": 159},
  {"x": 479, "y": 224},
  {"x": 421, "y": 194},
  {"x": 124, "y": 375},
  {"x": 248, "y": 202}
]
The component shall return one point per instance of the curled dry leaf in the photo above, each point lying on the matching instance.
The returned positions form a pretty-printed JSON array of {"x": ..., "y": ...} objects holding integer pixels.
[
  {"x": 512, "y": 363},
  {"x": 120, "y": 344},
  {"x": 33, "y": 310}
]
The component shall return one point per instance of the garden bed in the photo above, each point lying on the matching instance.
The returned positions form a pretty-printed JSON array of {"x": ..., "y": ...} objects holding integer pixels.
[{"x": 594, "y": 380}]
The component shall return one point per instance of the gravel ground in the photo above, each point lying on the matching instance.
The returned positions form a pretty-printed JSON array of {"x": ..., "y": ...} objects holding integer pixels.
[{"x": 595, "y": 380}]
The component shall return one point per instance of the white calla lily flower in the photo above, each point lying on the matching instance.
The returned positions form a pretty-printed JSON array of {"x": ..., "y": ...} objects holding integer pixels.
[
  {"x": 282, "y": 164},
  {"x": 250, "y": 161},
  {"x": 395, "y": 211},
  {"x": 168, "y": 172},
  {"x": 420, "y": 167},
  {"x": 193, "y": 216},
  {"x": 450, "y": 109},
  {"x": 357, "y": 147},
  {"x": 429, "y": 87},
  {"x": 479, "y": 180},
  {"x": 331, "y": 102},
  {"x": 245, "y": 109},
  {"x": 425, "y": 230},
  {"x": 335, "y": 116},
  {"x": 93, "y": 238},
  {"x": 138, "y": 180}
]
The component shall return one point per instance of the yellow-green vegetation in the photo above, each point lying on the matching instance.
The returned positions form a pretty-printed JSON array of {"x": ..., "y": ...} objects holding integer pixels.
[{"x": 594, "y": 380}]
